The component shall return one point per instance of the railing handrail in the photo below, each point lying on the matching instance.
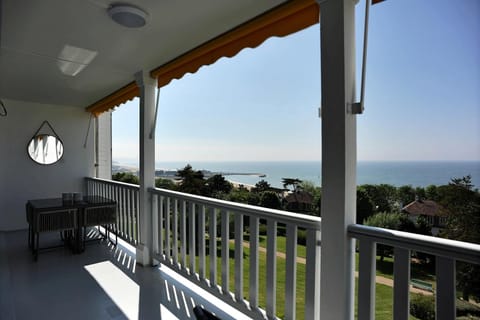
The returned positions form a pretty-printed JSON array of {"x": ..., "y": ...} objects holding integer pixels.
[
  {"x": 459, "y": 250},
  {"x": 301, "y": 220},
  {"x": 114, "y": 182}
]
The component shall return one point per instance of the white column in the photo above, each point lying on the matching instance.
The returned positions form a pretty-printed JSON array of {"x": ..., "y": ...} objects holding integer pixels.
[
  {"x": 104, "y": 145},
  {"x": 337, "y": 26},
  {"x": 147, "y": 166}
]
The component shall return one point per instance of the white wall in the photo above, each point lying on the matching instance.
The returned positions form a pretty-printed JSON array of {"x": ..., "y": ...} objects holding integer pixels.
[{"x": 21, "y": 178}]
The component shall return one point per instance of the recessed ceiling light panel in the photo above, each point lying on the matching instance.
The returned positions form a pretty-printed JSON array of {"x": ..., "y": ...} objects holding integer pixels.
[{"x": 127, "y": 16}]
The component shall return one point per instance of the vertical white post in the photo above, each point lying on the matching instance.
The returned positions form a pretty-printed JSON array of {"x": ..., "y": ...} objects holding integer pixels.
[
  {"x": 238, "y": 257},
  {"x": 225, "y": 252},
  {"x": 271, "y": 269},
  {"x": 337, "y": 33},
  {"x": 291, "y": 272},
  {"x": 212, "y": 249},
  {"x": 253, "y": 281},
  {"x": 401, "y": 284},
  {"x": 312, "y": 275},
  {"x": 201, "y": 242},
  {"x": 366, "y": 280},
  {"x": 445, "y": 298},
  {"x": 147, "y": 166}
]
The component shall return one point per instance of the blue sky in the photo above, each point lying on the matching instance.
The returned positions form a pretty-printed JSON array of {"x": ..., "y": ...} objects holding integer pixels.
[{"x": 422, "y": 94}]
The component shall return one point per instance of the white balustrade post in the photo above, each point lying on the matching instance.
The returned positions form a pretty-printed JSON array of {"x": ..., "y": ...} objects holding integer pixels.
[
  {"x": 445, "y": 299},
  {"x": 401, "y": 284},
  {"x": 337, "y": 33},
  {"x": 147, "y": 166}
]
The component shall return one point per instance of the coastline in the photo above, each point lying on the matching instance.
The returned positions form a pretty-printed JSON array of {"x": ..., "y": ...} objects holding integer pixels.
[{"x": 396, "y": 173}]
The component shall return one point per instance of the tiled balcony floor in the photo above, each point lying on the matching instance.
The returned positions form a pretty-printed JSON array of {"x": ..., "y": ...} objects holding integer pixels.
[{"x": 104, "y": 282}]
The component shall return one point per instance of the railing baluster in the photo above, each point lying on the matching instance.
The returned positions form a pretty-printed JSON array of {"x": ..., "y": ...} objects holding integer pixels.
[
  {"x": 239, "y": 257},
  {"x": 191, "y": 228},
  {"x": 253, "y": 276},
  {"x": 201, "y": 242},
  {"x": 225, "y": 252},
  {"x": 183, "y": 233},
  {"x": 116, "y": 189},
  {"x": 212, "y": 250},
  {"x": 312, "y": 275},
  {"x": 137, "y": 208},
  {"x": 291, "y": 273},
  {"x": 445, "y": 300},
  {"x": 155, "y": 219},
  {"x": 161, "y": 232},
  {"x": 133, "y": 215},
  {"x": 271, "y": 267},
  {"x": 175, "y": 232},
  {"x": 124, "y": 213},
  {"x": 129, "y": 215},
  {"x": 401, "y": 284},
  {"x": 168, "y": 213},
  {"x": 366, "y": 279}
]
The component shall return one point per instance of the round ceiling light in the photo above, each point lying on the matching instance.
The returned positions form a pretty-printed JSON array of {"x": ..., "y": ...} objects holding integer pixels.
[{"x": 128, "y": 16}]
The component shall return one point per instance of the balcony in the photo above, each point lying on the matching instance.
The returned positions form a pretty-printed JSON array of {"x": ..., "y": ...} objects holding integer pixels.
[
  {"x": 105, "y": 281},
  {"x": 232, "y": 231}
]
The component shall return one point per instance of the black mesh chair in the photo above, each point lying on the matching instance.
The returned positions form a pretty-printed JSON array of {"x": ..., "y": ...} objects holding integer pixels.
[
  {"x": 64, "y": 220},
  {"x": 102, "y": 215},
  {"x": 202, "y": 314}
]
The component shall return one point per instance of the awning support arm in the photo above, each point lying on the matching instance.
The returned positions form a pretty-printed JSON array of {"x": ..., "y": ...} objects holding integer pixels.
[{"x": 358, "y": 107}]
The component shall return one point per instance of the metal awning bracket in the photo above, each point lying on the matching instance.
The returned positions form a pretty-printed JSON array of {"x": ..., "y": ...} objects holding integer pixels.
[{"x": 358, "y": 107}]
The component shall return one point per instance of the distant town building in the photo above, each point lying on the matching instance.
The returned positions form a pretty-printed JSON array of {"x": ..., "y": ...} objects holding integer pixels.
[
  {"x": 435, "y": 214},
  {"x": 299, "y": 201}
]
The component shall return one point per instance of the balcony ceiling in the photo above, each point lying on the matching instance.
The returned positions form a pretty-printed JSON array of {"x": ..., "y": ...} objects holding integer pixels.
[{"x": 39, "y": 38}]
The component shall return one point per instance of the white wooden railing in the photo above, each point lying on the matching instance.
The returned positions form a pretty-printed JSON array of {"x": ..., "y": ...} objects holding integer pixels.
[
  {"x": 126, "y": 196},
  {"x": 187, "y": 230},
  {"x": 186, "y": 225},
  {"x": 447, "y": 252}
]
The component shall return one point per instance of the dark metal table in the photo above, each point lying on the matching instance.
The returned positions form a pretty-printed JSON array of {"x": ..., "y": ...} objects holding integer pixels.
[{"x": 89, "y": 203}]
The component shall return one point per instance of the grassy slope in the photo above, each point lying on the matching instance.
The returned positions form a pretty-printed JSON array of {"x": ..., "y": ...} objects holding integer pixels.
[{"x": 384, "y": 294}]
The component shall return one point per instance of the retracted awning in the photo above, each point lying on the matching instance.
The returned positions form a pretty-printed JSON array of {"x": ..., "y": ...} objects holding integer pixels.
[{"x": 281, "y": 21}]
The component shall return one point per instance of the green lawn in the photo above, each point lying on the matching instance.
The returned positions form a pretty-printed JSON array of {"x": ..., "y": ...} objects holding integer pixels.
[
  {"x": 384, "y": 268},
  {"x": 384, "y": 294}
]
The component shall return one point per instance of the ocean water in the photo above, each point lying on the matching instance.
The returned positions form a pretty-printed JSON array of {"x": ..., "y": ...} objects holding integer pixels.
[{"x": 397, "y": 173}]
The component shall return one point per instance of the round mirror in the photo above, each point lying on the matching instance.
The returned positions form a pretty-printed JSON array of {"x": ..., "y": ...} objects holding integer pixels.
[{"x": 45, "y": 149}]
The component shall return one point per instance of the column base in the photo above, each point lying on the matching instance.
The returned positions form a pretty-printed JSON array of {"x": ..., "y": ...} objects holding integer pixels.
[{"x": 143, "y": 256}]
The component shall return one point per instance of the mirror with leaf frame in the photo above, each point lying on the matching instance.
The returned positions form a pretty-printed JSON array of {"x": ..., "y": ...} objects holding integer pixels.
[{"x": 45, "y": 148}]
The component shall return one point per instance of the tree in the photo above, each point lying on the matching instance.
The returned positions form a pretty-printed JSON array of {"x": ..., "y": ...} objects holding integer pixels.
[
  {"x": 164, "y": 184},
  {"x": 269, "y": 199},
  {"x": 382, "y": 195},
  {"x": 387, "y": 221},
  {"x": 463, "y": 224},
  {"x": 405, "y": 195},
  {"x": 431, "y": 192},
  {"x": 218, "y": 185},
  {"x": 364, "y": 205},
  {"x": 240, "y": 195},
  {"x": 316, "y": 192},
  {"x": 420, "y": 192},
  {"x": 262, "y": 186},
  {"x": 294, "y": 182},
  {"x": 126, "y": 177},
  {"x": 192, "y": 181}
]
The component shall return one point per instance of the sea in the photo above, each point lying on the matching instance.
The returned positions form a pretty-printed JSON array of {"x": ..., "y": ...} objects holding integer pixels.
[{"x": 397, "y": 173}]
